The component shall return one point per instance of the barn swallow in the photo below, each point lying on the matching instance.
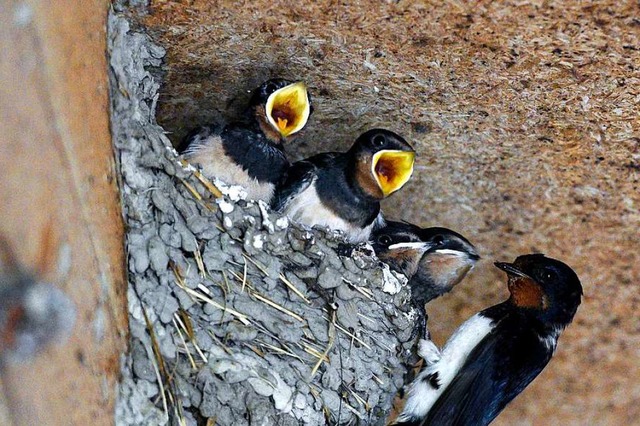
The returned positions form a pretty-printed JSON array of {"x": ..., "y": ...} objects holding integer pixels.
[
  {"x": 250, "y": 152},
  {"x": 493, "y": 356},
  {"x": 342, "y": 191},
  {"x": 433, "y": 259}
]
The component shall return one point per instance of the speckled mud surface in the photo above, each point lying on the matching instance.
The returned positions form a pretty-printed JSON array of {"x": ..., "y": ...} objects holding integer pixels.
[
  {"x": 231, "y": 307},
  {"x": 525, "y": 116}
]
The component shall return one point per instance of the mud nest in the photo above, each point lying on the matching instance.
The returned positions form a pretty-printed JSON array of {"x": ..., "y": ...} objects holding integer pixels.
[{"x": 236, "y": 315}]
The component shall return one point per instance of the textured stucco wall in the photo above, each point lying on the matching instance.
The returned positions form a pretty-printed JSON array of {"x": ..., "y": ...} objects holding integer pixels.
[{"x": 525, "y": 117}]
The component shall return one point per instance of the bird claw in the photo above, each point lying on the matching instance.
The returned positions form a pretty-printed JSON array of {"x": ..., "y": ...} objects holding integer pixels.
[
  {"x": 434, "y": 380},
  {"x": 428, "y": 351}
]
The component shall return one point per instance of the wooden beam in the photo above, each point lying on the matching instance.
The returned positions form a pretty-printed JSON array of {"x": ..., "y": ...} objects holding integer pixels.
[{"x": 58, "y": 189}]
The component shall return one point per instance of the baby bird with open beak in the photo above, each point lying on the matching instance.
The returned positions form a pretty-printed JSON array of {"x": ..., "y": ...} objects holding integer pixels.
[
  {"x": 250, "y": 152},
  {"x": 433, "y": 259},
  {"x": 342, "y": 190}
]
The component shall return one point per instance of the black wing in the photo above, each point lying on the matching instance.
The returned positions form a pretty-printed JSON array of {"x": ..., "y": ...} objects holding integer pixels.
[
  {"x": 496, "y": 371},
  {"x": 298, "y": 178},
  {"x": 262, "y": 159}
]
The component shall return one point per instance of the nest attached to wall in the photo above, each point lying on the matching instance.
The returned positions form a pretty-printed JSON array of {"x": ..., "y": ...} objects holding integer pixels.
[{"x": 236, "y": 315}]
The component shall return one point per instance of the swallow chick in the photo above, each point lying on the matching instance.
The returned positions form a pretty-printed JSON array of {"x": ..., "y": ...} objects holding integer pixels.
[
  {"x": 493, "y": 356},
  {"x": 250, "y": 152},
  {"x": 433, "y": 259},
  {"x": 342, "y": 191}
]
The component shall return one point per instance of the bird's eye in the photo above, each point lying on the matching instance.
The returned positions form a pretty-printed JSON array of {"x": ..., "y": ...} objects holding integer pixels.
[
  {"x": 548, "y": 274},
  {"x": 384, "y": 240},
  {"x": 379, "y": 140},
  {"x": 270, "y": 88},
  {"x": 438, "y": 240}
]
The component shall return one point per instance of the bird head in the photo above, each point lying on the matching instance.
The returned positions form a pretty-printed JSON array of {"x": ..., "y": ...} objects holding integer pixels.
[
  {"x": 448, "y": 259},
  {"x": 399, "y": 245},
  {"x": 545, "y": 286},
  {"x": 435, "y": 257},
  {"x": 384, "y": 162},
  {"x": 282, "y": 108}
]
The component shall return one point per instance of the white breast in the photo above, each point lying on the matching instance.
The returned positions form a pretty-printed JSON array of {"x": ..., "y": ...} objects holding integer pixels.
[
  {"x": 307, "y": 209},
  {"x": 210, "y": 155},
  {"x": 422, "y": 395}
]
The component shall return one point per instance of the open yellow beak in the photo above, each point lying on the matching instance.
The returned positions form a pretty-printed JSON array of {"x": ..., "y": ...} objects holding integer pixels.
[
  {"x": 288, "y": 108},
  {"x": 392, "y": 169}
]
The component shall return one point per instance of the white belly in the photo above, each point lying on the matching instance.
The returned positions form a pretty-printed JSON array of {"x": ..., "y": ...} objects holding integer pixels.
[
  {"x": 210, "y": 155},
  {"x": 422, "y": 395},
  {"x": 306, "y": 209}
]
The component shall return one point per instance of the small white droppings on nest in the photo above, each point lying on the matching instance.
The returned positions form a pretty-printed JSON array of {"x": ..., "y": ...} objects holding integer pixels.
[
  {"x": 399, "y": 276},
  {"x": 393, "y": 282},
  {"x": 264, "y": 212},
  {"x": 333, "y": 233},
  {"x": 228, "y": 222},
  {"x": 282, "y": 395},
  {"x": 225, "y": 206},
  {"x": 234, "y": 192},
  {"x": 258, "y": 241},
  {"x": 181, "y": 163},
  {"x": 411, "y": 316},
  {"x": 282, "y": 223}
]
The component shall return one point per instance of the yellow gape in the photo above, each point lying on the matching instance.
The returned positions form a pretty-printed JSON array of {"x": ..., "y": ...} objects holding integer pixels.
[
  {"x": 288, "y": 109},
  {"x": 392, "y": 169}
]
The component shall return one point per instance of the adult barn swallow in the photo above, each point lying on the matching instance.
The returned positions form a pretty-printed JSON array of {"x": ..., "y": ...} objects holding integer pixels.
[
  {"x": 250, "y": 152},
  {"x": 493, "y": 356},
  {"x": 342, "y": 191},
  {"x": 433, "y": 259}
]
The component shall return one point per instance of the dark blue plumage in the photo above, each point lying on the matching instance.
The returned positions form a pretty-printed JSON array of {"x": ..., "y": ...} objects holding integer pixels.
[
  {"x": 497, "y": 370},
  {"x": 262, "y": 159},
  {"x": 330, "y": 171},
  {"x": 299, "y": 176},
  {"x": 500, "y": 350},
  {"x": 342, "y": 190},
  {"x": 433, "y": 259},
  {"x": 249, "y": 151}
]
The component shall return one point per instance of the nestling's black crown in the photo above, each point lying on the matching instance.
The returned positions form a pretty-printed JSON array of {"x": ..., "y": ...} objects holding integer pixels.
[
  {"x": 260, "y": 95},
  {"x": 375, "y": 140}
]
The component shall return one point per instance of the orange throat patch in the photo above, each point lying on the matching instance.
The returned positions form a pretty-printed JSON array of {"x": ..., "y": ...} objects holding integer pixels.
[
  {"x": 526, "y": 293},
  {"x": 366, "y": 181}
]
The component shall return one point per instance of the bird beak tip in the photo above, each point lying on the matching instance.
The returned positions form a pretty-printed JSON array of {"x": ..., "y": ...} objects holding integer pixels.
[{"x": 510, "y": 269}]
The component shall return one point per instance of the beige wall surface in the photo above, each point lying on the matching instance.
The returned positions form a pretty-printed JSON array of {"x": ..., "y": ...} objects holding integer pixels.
[{"x": 526, "y": 121}]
